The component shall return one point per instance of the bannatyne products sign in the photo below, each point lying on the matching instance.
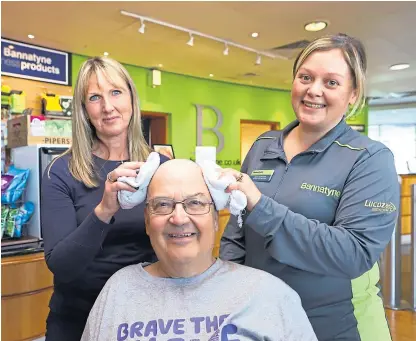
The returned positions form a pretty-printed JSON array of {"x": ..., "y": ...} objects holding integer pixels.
[{"x": 34, "y": 62}]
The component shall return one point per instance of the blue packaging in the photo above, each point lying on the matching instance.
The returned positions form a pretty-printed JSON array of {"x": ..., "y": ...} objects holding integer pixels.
[{"x": 15, "y": 190}]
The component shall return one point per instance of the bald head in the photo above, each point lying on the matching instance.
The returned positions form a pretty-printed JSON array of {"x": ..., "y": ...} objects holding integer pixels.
[
  {"x": 177, "y": 167},
  {"x": 178, "y": 176}
]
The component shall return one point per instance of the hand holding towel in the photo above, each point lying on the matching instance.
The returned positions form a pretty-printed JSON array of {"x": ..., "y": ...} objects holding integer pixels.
[
  {"x": 235, "y": 202},
  {"x": 128, "y": 199}
]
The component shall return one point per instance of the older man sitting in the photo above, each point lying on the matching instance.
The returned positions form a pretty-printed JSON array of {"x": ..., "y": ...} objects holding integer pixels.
[{"x": 188, "y": 294}]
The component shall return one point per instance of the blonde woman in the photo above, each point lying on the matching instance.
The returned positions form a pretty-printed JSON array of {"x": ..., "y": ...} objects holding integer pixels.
[
  {"x": 322, "y": 198},
  {"x": 87, "y": 237}
]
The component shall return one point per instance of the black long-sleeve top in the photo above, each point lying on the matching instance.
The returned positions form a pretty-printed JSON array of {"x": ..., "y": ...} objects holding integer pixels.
[{"x": 81, "y": 251}]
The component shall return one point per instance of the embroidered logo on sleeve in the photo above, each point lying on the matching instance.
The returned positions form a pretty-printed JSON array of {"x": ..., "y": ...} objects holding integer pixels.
[{"x": 379, "y": 206}]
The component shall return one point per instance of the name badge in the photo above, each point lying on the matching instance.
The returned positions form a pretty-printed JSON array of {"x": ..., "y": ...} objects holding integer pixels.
[{"x": 262, "y": 175}]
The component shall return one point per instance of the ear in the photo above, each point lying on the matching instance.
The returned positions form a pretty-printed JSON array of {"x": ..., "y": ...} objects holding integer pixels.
[
  {"x": 146, "y": 220},
  {"x": 216, "y": 219}
]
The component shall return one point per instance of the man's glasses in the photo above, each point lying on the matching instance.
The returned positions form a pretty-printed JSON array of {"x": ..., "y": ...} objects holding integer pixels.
[{"x": 165, "y": 206}]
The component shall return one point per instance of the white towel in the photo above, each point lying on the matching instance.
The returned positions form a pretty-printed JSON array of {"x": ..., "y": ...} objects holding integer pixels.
[
  {"x": 128, "y": 199},
  {"x": 235, "y": 202}
]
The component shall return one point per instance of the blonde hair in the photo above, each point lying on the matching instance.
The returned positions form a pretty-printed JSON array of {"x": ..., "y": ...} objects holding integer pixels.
[
  {"x": 354, "y": 55},
  {"x": 84, "y": 137}
]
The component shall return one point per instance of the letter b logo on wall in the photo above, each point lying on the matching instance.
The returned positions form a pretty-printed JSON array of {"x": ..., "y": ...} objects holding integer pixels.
[{"x": 215, "y": 129}]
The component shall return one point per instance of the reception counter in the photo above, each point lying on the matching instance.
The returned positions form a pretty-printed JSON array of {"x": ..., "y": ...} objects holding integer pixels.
[{"x": 27, "y": 286}]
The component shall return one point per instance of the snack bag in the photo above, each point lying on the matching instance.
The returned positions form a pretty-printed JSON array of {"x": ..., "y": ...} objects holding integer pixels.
[
  {"x": 24, "y": 214},
  {"x": 6, "y": 180},
  {"x": 17, "y": 186},
  {"x": 4, "y": 213},
  {"x": 10, "y": 222}
]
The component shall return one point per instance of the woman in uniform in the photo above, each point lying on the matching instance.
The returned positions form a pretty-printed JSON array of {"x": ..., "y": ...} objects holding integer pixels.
[{"x": 322, "y": 198}]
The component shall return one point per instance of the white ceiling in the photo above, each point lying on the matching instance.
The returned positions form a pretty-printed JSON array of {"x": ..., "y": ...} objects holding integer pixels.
[{"x": 387, "y": 29}]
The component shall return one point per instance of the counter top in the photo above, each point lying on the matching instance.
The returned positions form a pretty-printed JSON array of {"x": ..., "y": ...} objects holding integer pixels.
[{"x": 20, "y": 250}]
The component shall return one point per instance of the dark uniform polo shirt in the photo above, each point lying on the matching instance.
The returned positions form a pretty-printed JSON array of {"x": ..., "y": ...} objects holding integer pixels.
[{"x": 321, "y": 224}]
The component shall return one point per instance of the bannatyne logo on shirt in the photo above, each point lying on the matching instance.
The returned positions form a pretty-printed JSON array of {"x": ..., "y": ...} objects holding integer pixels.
[
  {"x": 175, "y": 329},
  {"x": 378, "y": 206},
  {"x": 329, "y": 192}
]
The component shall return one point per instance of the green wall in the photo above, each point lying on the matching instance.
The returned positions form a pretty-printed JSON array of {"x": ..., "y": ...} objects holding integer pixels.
[
  {"x": 178, "y": 94},
  {"x": 360, "y": 119}
]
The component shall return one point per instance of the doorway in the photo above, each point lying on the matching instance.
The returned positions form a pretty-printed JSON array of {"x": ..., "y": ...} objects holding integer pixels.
[
  {"x": 155, "y": 127},
  {"x": 250, "y": 130}
]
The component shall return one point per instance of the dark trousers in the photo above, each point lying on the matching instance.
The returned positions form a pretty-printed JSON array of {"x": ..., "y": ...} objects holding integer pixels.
[{"x": 64, "y": 327}]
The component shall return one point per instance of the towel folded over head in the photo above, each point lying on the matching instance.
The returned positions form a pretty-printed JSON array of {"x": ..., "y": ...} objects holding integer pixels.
[
  {"x": 128, "y": 199},
  {"x": 235, "y": 201}
]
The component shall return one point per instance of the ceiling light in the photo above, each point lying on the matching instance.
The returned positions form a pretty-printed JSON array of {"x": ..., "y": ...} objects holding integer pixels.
[
  {"x": 226, "y": 50},
  {"x": 142, "y": 27},
  {"x": 211, "y": 75},
  {"x": 31, "y": 36},
  {"x": 191, "y": 40},
  {"x": 401, "y": 66},
  {"x": 258, "y": 60},
  {"x": 106, "y": 54},
  {"x": 193, "y": 33},
  {"x": 315, "y": 26},
  {"x": 160, "y": 65}
]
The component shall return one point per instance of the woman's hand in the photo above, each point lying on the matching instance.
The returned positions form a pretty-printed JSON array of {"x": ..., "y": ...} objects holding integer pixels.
[
  {"x": 245, "y": 185},
  {"x": 109, "y": 204}
]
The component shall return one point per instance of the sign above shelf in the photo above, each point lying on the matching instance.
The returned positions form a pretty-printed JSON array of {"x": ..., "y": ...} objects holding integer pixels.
[{"x": 23, "y": 60}]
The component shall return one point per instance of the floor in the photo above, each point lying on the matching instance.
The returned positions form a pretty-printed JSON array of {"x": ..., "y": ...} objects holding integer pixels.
[{"x": 402, "y": 325}]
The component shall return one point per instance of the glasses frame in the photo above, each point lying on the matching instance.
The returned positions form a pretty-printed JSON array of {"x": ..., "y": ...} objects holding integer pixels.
[{"x": 182, "y": 202}]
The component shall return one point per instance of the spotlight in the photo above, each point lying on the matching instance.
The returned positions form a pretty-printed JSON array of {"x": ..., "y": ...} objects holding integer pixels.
[
  {"x": 397, "y": 67},
  {"x": 192, "y": 33},
  {"x": 258, "y": 60},
  {"x": 315, "y": 26},
  {"x": 226, "y": 50},
  {"x": 191, "y": 40},
  {"x": 142, "y": 27}
]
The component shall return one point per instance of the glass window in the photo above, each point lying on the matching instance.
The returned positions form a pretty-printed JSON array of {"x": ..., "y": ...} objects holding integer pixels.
[{"x": 401, "y": 139}]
